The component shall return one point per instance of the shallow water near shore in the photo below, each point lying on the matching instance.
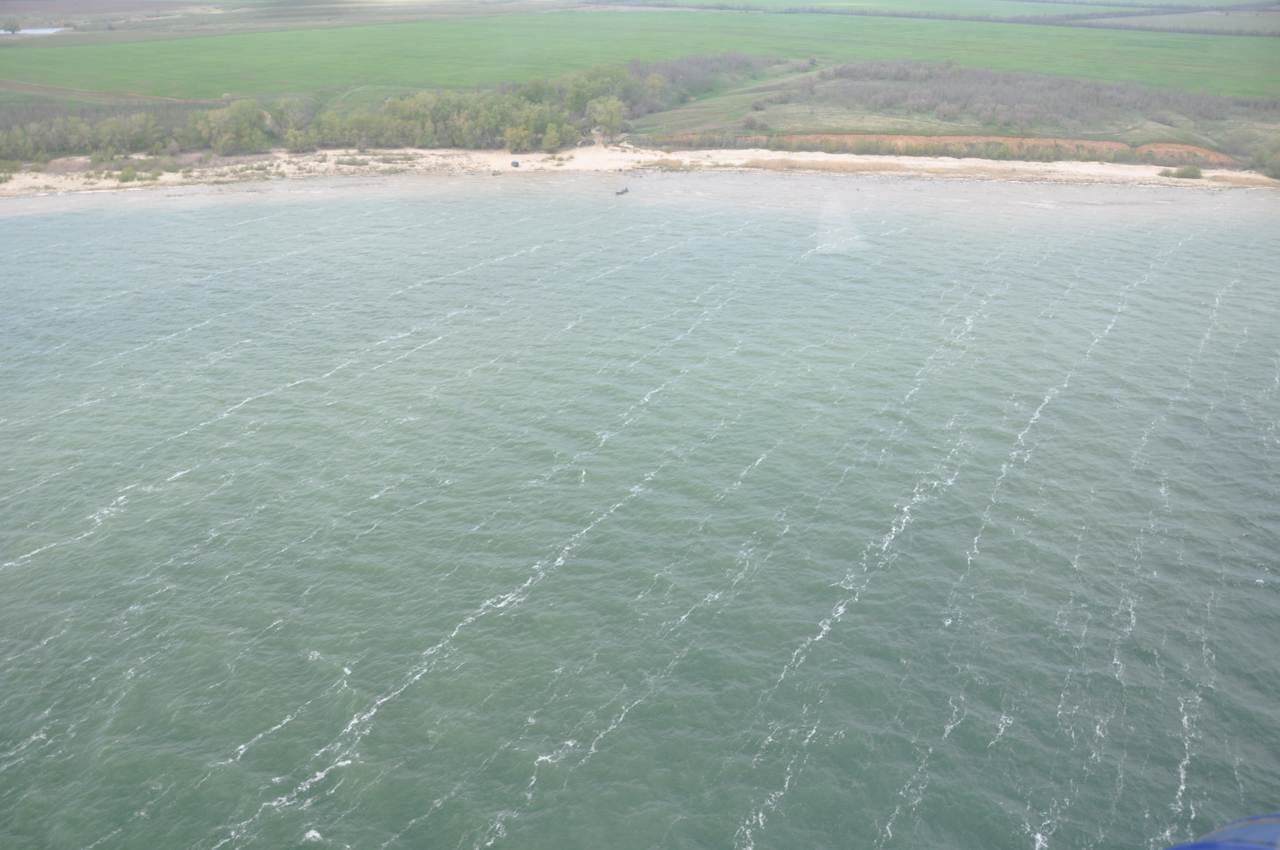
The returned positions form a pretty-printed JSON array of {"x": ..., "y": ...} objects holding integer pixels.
[{"x": 736, "y": 511}]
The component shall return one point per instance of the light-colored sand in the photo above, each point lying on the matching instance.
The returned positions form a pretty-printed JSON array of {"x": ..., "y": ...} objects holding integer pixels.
[{"x": 74, "y": 174}]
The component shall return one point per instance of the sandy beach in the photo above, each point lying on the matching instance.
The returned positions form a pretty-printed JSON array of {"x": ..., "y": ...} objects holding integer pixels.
[{"x": 77, "y": 174}]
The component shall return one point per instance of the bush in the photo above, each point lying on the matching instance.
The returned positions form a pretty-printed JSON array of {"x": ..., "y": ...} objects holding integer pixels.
[
  {"x": 1266, "y": 158},
  {"x": 128, "y": 175},
  {"x": 1188, "y": 172},
  {"x": 551, "y": 139},
  {"x": 299, "y": 141}
]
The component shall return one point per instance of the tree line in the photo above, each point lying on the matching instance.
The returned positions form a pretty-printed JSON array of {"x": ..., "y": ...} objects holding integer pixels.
[
  {"x": 554, "y": 114},
  {"x": 541, "y": 115}
]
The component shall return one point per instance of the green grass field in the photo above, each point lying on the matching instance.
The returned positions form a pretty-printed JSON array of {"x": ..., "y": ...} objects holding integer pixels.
[
  {"x": 976, "y": 8},
  {"x": 1261, "y": 22},
  {"x": 482, "y": 51}
]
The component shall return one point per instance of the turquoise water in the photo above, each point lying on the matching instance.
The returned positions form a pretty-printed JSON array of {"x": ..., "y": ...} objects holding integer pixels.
[{"x": 740, "y": 511}]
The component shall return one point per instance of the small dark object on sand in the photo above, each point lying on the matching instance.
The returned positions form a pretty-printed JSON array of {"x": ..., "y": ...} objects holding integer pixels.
[
  {"x": 515, "y": 163},
  {"x": 622, "y": 191}
]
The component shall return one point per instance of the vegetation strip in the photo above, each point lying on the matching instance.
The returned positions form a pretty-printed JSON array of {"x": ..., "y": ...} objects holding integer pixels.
[
  {"x": 552, "y": 115},
  {"x": 489, "y": 51}
]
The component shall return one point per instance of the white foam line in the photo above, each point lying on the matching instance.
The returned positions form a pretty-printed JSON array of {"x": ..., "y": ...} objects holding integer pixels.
[
  {"x": 230, "y": 411},
  {"x": 1020, "y": 453},
  {"x": 260, "y": 218},
  {"x": 957, "y": 711},
  {"x": 221, "y": 272},
  {"x": 201, "y": 425},
  {"x": 227, "y": 482},
  {"x": 1050, "y": 818},
  {"x": 204, "y": 424},
  {"x": 112, "y": 834},
  {"x": 344, "y": 745},
  {"x": 628, "y": 417},
  {"x": 41, "y": 482},
  {"x": 497, "y": 827},
  {"x": 41, "y": 735},
  {"x": 157, "y": 341},
  {"x": 250, "y": 306},
  {"x": 496, "y": 830},
  {"x": 22, "y": 559},
  {"x": 1193, "y": 360},
  {"x": 744, "y": 837},
  {"x": 856, "y": 580},
  {"x": 249, "y": 744},
  {"x": 41, "y": 645},
  {"x": 549, "y": 695},
  {"x": 911, "y": 794}
]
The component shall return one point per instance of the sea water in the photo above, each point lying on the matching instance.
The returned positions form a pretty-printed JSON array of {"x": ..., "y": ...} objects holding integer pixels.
[{"x": 738, "y": 511}]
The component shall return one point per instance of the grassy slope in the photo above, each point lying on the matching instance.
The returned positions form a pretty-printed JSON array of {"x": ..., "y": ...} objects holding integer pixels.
[
  {"x": 822, "y": 110},
  {"x": 488, "y": 50}
]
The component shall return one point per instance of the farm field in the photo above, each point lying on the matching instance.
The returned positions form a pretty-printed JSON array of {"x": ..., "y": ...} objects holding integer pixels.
[
  {"x": 1260, "y": 21},
  {"x": 309, "y": 74},
  {"x": 488, "y": 50},
  {"x": 1225, "y": 16},
  {"x": 975, "y": 8}
]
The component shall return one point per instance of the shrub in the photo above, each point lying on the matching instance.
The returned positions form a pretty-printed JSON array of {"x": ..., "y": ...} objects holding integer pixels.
[
  {"x": 1188, "y": 172},
  {"x": 1266, "y": 158},
  {"x": 299, "y": 141}
]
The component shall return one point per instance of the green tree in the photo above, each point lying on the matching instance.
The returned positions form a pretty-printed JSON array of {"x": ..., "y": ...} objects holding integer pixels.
[
  {"x": 517, "y": 139},
  {"x": 607, "y": 114},
  {"x": 551, "y": 139},
  {"x": 11, "y": 26},
  {"x": 657, "y": 90},
  {"x": 240, "y": 127},
  {"x": 294, "y": 112},
  {"x": 299, "y": 141},
  {"x": 1266, "y": 158}
]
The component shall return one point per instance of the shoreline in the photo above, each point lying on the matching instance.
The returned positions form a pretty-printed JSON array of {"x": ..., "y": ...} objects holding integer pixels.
[{"x": 74, "y": 174}]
